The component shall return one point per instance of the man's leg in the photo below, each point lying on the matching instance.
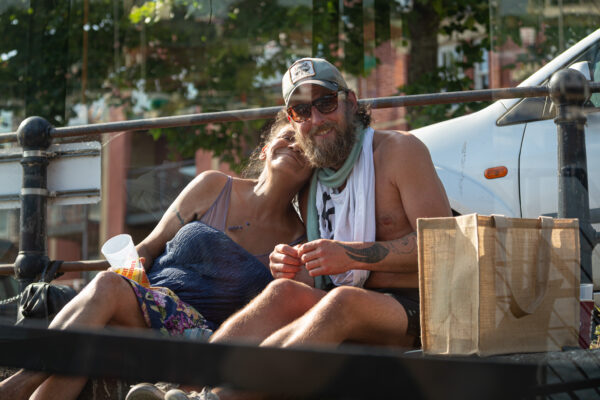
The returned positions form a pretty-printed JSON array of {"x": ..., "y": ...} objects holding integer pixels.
[
  {"x": 348, "y": 314},
  {"x": 282, "y": 301},
  {"x": 344, "y": 314},
  {"x": 107, "y": 300},
  {"x": 20, "y": 385}
]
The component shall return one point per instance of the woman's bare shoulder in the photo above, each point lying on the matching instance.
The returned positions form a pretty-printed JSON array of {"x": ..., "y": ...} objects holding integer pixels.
[
  {"x": 202, "y": 191},
  {"x": 208, "y": 180}
]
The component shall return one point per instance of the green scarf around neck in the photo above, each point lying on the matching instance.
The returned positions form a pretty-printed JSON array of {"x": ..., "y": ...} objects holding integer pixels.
[{"x": 332, "y": 179}]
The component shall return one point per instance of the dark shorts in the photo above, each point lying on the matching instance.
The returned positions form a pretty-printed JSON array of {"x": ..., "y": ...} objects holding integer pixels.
[{"x": 409, "y": 298}]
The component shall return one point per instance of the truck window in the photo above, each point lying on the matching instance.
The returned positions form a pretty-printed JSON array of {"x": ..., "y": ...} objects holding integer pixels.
[{"x": 541, "y": 108}]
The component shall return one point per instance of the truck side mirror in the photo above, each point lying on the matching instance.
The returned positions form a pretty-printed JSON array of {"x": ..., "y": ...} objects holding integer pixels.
[{"x": 584, "y": 68}]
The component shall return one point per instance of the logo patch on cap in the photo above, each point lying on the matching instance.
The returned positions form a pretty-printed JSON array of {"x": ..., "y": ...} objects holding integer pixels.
[{"x": 302, "y": 69}]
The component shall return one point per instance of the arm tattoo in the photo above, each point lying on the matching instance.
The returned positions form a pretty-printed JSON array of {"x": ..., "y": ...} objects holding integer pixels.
[
  {"x": 179, "y": 217},
  {"x": 370, "y": 255},
  {"x": 405, "y": 245}
]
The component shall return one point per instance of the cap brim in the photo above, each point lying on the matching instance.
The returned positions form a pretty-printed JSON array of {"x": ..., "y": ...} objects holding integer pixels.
[{"x": 326, "y": 84}]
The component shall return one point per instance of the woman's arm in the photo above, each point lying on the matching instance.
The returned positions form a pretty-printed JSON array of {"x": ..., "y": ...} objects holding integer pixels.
[{"x": 190, "y": 205}]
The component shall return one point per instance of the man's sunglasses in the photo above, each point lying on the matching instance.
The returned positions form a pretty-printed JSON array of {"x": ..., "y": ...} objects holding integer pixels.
[{"x": 325, "y": 104}]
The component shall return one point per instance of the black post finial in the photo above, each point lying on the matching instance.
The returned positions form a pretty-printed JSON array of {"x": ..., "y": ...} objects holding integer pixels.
[
  {"x": 569, "y": 90},
  {"x": 34, "y": 135},
  {"x": 569, "y": 86}
]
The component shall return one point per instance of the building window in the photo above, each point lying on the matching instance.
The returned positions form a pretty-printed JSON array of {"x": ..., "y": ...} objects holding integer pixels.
[{"x": 481, "y": 72}]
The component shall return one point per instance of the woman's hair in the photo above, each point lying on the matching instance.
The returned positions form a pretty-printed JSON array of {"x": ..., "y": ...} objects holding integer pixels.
[
  {"x": 363, "y": 114},
  {"x": 255, "y": 165}
]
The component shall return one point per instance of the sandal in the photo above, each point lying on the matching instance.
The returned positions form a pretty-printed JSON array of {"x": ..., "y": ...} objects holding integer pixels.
[
  {"x": 145, "y": 391},
  {"x": 177, "y": 394},
  {"x": 149, "y": 391}
]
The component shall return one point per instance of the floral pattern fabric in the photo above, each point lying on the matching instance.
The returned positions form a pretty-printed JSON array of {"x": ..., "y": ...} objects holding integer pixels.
[{"x": 164, "y": 311}]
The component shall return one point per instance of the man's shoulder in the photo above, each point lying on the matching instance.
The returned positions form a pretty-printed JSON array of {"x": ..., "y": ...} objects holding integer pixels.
[{"x": 397, "y": 143}]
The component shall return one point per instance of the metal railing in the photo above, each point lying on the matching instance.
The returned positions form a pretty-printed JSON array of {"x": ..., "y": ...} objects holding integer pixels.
[
  {"x": 270, "y": 112},
  {"x": 568, "y": 90}
]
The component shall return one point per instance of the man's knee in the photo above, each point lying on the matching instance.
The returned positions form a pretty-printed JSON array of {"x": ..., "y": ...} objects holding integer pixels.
[
  {"x": 291, "y": 295},
  {"x": 345, "y": 297},
  {"x": 284, "y": 287},
  {"x": 289, "y": 289},
  {"x": 346, "y": 302},
  {"x": 368, "y": 317}
]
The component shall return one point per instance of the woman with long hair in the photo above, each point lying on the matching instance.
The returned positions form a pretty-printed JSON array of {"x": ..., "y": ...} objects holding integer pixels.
[{"x": 206, "y": 258}]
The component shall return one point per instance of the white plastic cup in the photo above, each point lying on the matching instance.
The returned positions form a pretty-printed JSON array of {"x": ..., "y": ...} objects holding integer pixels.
[{"x": 120, "y": 251}]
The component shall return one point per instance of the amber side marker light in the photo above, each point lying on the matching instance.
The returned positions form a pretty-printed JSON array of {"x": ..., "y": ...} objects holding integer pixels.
[{"x": 495, "y": 172}]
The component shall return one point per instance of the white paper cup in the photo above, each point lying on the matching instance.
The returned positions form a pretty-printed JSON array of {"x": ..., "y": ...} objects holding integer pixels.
[{"x": 120, "y": 251}]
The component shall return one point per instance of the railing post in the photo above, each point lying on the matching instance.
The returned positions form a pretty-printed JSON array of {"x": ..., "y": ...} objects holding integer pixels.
[
  {"x": 569, "y": 90},
  {"x": 34, "y": 137}
]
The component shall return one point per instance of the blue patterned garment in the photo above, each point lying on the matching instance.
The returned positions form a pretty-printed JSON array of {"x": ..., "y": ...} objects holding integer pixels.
[
  {"x": 164, "y": 311},
  {"x": 206, "y": 270}
]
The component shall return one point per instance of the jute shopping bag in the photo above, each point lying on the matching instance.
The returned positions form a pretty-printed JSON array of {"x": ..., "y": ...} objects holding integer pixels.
[{"x": 497, "y": 285}]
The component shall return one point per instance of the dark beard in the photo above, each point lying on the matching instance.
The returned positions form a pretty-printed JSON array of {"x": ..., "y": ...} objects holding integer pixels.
[{"x": 330, "y": 154}]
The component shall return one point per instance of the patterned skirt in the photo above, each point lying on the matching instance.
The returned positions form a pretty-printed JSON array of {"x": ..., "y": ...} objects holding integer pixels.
[{"x": 164, "y": 311}]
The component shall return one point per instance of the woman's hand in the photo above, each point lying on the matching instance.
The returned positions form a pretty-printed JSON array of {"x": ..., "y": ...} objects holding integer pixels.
[{"x": 284, "y": 262}]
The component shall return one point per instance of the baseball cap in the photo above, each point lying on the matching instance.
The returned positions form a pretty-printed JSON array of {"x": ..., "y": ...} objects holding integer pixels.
[{"x": 316, "y": 71}]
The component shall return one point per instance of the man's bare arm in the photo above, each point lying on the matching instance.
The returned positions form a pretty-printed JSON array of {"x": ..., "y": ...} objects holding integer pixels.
[
  {"x": 420, "y": 194},
  {"x": 409, "y": 279},
  {"x": 397, "y": 279},
  {"x": 373, "y": 253},
  {"x": 329, "y": 257}
]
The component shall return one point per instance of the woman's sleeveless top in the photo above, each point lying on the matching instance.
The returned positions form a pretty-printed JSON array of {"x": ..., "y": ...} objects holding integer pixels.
[
  {"x": 207, "y": 269},
  {"x": 216, "y": 216}
]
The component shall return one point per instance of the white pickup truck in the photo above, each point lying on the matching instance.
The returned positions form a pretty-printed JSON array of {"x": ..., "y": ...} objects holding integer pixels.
[{"x": 519, "y": 135}]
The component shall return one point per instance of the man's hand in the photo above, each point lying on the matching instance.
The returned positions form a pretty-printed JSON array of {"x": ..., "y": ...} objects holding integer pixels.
[
  {"x": 285, "y": 262},
  {"x": 324, "y": 257}
]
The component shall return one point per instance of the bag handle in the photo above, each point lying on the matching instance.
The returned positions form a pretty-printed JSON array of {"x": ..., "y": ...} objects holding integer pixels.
[{"x": 517, "y": 308}]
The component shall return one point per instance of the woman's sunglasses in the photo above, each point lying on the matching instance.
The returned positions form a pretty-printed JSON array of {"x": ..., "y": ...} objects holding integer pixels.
[{"x": 325, "y": 104}]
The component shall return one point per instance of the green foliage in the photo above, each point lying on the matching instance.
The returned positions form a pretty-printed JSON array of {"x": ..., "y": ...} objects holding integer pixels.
[
  {"x": 425, "y": 115},
  {"x": 146, "y": 12},
  {"x": 224, "y": 68},
  {"x": 508, "y": 22},
  {"x": 464, "y": 20},
  {"x": 154, "y": 58}
]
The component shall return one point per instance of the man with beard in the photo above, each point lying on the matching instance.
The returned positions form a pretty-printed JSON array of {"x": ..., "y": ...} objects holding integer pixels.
[{"x": 368, "y": 190}]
